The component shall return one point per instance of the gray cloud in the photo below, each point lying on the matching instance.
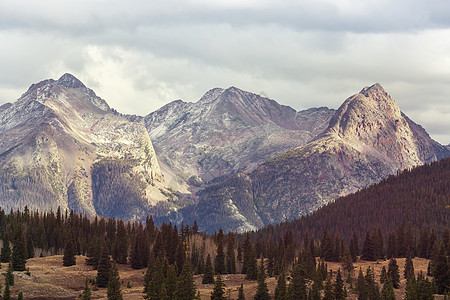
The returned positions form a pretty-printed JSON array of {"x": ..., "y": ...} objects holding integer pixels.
[{"x": 143, "y": 54}]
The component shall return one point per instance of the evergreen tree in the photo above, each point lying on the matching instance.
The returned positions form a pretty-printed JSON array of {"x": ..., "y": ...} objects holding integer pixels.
[
  {"x": 420, "y": 289},
  {"x": 383, "y": 276},
  {"x": 373, "y": 291},
  {"x": 338, "y": 287},
  {"x": 230, "y": 260},
  {"x": 69, "y": 251},
  {"x": 440, "y": 270},
  {"x": 5, "y": 255},
  {"x": 354, "y": 247},
  {"x": 149, "y": 273},
  {"x": 347, "y": 262},
  {"x": 19, "y": 253},
  {"x": 114, "y": 292},
  {"x": 94, "y": 252},
  {"x": 241, "y": 295},
  {"x": 154, "y": 279},
  {"x": 170, "y": 282},
  {"x": 262, "y": 292},
  {"x": 218, "y": 292},
  {"x": 393, "y": 273},
  {"x": 208, "y": 276},
  {"x": 280, "y": 289},
  {"x": 20, "y": 296},
  {"x": 387, "y": 293},
  {"x": 368, "y": 251},
  {"x": 328, "y": 290},
  {"x": 219, "y": 261},
  {"x": 185, "y": 285},
  {"x": 9, "y": 276},
  {"x": 30, "y": 246},
  {"x": 135, "y": 257},
  {"x": 361, "y": 286},
  {"x": 7, "y": 291},
  {"x": 120, "y": 246},
  {"x": 297, "y": 285},
  {"x": 104, "y": 267},
  {"x": 409, "y": 266},
  {"x": 250, "y": 265},
  {"x": 86, "y": 294}
]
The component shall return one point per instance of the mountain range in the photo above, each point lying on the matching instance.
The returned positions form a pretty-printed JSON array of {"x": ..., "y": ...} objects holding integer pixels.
[{"x": 232, "y": 160}]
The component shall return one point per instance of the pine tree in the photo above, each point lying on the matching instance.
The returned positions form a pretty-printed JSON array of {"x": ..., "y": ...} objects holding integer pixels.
[
  {"x": 338, "y": 287},
  {"x": 383, "y": 276},
  {"x": 30, "y": 246},
  {"x": 328, "y": 289},
  {"x": 9, "y": 276},
  {"x": 135, "y": 257},
  {"x": 250, "y": 265},
  {"x": 93, "y": 254},
  {"x": 120, "y": 246},
  {"x": 69, "y": 251},
  {"x": 185, "y": 285},
  {"x": 441, "y": 270},
  {"x": 241, "y": 295},
  {"x": 5, "y": 255},
  {"x": 20, "y": 296},
  {"x": 104, "y": 267},
  {"x": 387, "y": 293},
  {"x": 280, "y": 289},
  {"x": 114, "y": 292},
  {"x": 86, "y": 294},
  {"x": 297, "y": 285},
  {"x": 7, "y": 291},
  {"x": 393, "y": 273},
  {"x": 149, "y": 273},
  {"x": 373, "y": 291},
  {"x": 171, "y": 282},
  {"x": 262, "y": 292},
  {"x": 208, "y": 276},
  {"x": 354, "y": 248},
  {"x": 368, "y": 251},
  {"x": 230, "y": 260},
  {"x": 361, "y": 286},
  {"x": 154, "y": 278},
  {"x": 19, "y": 254},
  {"x": 219, "y": 261},
  {"x": 347, "y": 262},
  {"x": 218, "y": 292},
  {"x": 409, "y": 266}
]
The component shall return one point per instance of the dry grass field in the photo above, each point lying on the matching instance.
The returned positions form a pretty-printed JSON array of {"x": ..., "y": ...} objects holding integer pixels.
[{"x": 50, "y": 280}]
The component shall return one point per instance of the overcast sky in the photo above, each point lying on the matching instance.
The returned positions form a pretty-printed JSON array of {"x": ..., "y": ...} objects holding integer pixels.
[{"x": 139, "y": 55}]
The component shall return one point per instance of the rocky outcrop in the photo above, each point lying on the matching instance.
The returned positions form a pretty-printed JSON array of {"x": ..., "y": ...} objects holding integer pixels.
[
  {"x": 228, "y": 131},
  {"x": 367, "y": 139},
  {"x": 53, "y": 137}
]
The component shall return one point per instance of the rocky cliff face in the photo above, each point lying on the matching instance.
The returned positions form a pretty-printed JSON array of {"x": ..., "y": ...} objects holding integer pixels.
[
  {"x": 367, "y": 139},
  {"x": 228, "y": 131},
  {"x": 55, "y": 142}
]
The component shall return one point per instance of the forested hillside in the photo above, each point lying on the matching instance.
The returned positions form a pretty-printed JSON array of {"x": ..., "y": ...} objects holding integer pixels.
[{"x": 402, "y": 217}]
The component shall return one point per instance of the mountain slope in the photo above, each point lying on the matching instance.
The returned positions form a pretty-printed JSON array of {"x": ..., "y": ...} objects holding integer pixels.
[
  {"x": 59, "y": 142},
  {"x": 367, "y": 139},
  {"x": 228, "y": 131},
  {"x": 419, "y": 196}
]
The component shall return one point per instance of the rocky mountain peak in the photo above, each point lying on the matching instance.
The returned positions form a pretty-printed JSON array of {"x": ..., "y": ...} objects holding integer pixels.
[{"x": 69, "y": 81}]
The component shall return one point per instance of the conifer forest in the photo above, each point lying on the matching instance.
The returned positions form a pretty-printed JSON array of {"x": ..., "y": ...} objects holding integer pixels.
[{"x": 297, "y": 254}]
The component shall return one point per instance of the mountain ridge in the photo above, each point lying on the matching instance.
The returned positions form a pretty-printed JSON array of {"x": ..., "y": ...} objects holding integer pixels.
[{"x": 367, "y": 140}]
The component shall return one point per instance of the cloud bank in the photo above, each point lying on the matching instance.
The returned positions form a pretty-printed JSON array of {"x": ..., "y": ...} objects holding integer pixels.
[{"x": 140, "y": 55}]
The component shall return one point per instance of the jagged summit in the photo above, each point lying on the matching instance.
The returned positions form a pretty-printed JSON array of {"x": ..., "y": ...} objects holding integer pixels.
[{"x": 69, "y": 81}]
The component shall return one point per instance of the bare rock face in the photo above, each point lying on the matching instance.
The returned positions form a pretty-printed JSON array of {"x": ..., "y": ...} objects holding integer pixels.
[
  {"x": 60, "y": 145},
  {"x": 367, "y": 139},
  {"x": 228, "y": 131}
]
